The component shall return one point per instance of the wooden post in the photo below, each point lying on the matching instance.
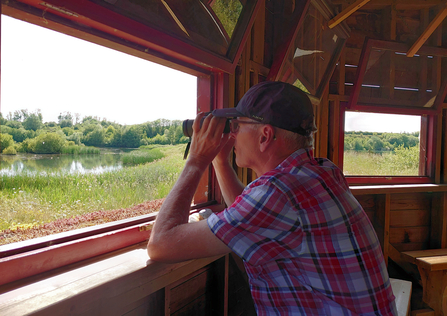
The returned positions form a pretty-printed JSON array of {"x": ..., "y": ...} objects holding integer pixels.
[{"x": 438, "y": 236}]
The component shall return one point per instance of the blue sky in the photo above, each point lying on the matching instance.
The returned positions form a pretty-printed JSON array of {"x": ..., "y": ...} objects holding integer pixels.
[{"x": 53, "y": 72}]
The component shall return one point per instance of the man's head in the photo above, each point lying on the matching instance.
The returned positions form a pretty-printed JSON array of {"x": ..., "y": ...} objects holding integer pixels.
[
  {"x": 279, "y": 104},
  {"x": 276, "y": 103}
]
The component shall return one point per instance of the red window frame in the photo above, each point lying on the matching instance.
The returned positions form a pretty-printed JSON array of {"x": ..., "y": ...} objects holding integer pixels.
[
  {"x": 40, "y": 255},
  {"x": 429, "y": 125}
]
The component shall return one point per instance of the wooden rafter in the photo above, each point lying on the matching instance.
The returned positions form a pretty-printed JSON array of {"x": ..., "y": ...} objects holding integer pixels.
[
  {"x": 428, "y": 31},
  {"x": 346, "y": 13}
]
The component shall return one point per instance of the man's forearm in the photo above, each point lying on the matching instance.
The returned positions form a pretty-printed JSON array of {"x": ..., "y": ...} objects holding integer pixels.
[
  {"x": 176, "y": 207},
  {"x": 229, "y": 183}
]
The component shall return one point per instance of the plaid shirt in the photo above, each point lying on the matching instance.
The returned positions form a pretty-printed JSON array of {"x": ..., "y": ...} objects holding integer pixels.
[{"x": 307, "y": 245}]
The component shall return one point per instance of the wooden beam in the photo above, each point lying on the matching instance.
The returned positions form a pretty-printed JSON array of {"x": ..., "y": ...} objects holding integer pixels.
[
  {"x": 346, "y": 13},
  {"x": 428, "y": 31}
]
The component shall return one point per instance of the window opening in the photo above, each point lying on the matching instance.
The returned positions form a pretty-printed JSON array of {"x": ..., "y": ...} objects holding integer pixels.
[
  {"x": 382, "y": 145},
  {"x": 88, "y": 134}
]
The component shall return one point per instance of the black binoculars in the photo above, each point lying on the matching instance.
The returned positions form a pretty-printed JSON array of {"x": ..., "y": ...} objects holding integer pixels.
[{"x": 187, "y": 126}]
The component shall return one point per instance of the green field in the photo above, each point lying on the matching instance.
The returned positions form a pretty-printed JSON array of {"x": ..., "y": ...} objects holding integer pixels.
[
  {"x": 29, "y": 200},
  {"x": 403, "y": 162}
]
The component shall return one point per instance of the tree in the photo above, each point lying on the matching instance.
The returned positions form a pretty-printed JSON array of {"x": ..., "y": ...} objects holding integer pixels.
[
  {"x": 131, "y": 137},
  {"x": 5, "y": 141},
  {"x": 66, "y": 123},
  {"x": 95, "y": 137},
  {"x": 49, "y": 143},
  {"x": 2, "y": 120},
  {"x": 375, "y": 143},
  {"x": 14, "y": 124},
  {"x": 33, "y": 122},
  {"x": 65, "y": 116}
]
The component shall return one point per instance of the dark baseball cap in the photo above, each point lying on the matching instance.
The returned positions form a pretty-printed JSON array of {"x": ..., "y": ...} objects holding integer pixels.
[{"x": 276, "y": 103}]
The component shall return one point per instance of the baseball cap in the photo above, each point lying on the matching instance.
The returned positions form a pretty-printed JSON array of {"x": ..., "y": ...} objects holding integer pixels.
[{"x": 276, "y": 103}]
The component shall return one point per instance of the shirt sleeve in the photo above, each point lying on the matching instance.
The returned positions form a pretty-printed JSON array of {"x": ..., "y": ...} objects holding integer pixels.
[{"x": 260, "y": 226}]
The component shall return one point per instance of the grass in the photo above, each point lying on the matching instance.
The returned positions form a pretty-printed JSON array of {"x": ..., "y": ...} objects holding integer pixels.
[
  {"x": 142, "y": 156},
  {"x": 37, "y": 199},
  {"x": 368, "y": 164}
]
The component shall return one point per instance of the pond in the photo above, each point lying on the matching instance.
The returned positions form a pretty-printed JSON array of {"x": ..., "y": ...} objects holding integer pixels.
[{"x": 108, "y": 160}]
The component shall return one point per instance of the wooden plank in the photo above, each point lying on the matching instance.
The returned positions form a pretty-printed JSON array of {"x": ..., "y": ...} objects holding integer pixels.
[
  {"x": 410, "y": 246},
  {"x": 258, "y": 36},
  {"x": 191, "y": 288},
  {"x": 435, "y": 263},
  {"x": 444, "y": 159},
  {"x": 346, "y": 13},
  {"x": 411, "y": 201},
  {"x": 439, "y": 221},
  {"x": 423, "y": 312},
  {"x": 409, "y": 234},
  {"x": 334, "y": 132},
  {"x": 404, "y": 188},
  {"x": 410, "y": 218},
  {"x": 411, "y": 256},
  {"x": 428, "y": 31}
]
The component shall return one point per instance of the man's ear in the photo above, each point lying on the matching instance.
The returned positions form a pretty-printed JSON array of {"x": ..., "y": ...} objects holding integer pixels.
[{"x": 266, "y": 137}]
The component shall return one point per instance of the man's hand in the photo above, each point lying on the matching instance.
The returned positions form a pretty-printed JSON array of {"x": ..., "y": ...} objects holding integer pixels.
[
  {"x": 207, "y": 140},
  {"x": 173, "y": 238}
]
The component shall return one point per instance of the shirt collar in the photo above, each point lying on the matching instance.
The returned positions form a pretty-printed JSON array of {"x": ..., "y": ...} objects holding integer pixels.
[{"x": 297, "y": 158}]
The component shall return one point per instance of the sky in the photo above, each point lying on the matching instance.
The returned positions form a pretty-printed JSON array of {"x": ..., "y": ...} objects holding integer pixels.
[
  {"x": 56, "y": 73},
  {"x": 46, "y": 70},
  {"x": 381, "y": 123}
]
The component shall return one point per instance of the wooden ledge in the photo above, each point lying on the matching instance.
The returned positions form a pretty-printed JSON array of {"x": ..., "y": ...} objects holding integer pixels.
[
  {"x": 84, "y": 285},
  {"x": 431, "y": 259},
  {"x": 398, "y": 188}
]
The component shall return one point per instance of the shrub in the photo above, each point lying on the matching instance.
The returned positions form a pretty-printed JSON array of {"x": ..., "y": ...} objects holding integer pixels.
[
  {"x": 10, "y": 151},
  {"x": 27, "y": 146},
  {"x": 49, "y": 143},
  {"x": 405, "y": 158},
  {"x": 5, "y": 141}
]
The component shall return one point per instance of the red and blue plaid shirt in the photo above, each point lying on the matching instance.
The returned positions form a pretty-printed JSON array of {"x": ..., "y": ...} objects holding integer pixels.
[{"x": 308, "y": 246}]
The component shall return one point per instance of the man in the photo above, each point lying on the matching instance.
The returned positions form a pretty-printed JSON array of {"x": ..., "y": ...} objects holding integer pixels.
[{"x": 307, "y": 245}]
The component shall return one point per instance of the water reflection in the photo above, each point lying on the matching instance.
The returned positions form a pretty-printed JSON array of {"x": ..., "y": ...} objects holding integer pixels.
[{"x": 108, "y": 160}]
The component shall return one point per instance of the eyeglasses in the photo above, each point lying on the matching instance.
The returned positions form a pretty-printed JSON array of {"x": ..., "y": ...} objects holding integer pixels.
[{"x": 234, "y": 124}]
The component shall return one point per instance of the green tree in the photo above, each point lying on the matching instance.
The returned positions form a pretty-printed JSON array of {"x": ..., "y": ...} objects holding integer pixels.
[
  {"x": 10, "y": 151},
  {"x": 5, "y": 141},
  {"x": 76, "y": 138},
  {"x": 95, "y": 137},
  {"x": 14, "y": 124},
  {"x": 131, "y": 137},
  {"x": 66, "y": 123},
  {"x": 33, "y": 122},
  {"x": 375, "y": 143},
  {"x": 2, "y": 120},
  {"x": 228, "y": 12},
  {"x": 67, "y": 131},
  {"x": 49, "y": 143}
]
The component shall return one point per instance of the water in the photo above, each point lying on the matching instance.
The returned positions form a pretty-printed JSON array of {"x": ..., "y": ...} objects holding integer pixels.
[{"x": 108, "y": 160}]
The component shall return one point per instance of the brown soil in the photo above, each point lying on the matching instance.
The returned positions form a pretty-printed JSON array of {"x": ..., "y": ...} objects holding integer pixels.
[{"x": 9, "y": 236}]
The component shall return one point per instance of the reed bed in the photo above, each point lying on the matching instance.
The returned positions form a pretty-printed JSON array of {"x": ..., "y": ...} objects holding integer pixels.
[
  {"x": 30, "y": 200},
  {"x": 142, "y": 156}
]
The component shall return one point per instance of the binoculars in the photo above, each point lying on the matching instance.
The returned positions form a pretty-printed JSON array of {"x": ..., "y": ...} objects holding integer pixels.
[{"x": 187, "y": 126}]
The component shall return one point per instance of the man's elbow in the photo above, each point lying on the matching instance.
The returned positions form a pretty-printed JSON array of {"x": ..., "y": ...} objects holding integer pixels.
[
  {"x": 159, "y": 252},
  {"x": 154, "y": 251}
]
